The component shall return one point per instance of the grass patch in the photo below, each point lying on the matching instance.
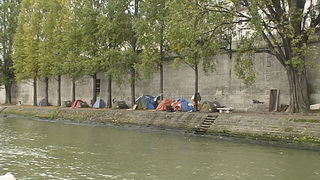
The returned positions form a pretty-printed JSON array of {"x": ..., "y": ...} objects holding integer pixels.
[
  {"x": 288, "y": 129},
  {"x": 55, "y": 114},
  {"x": 305, "y": 120}
]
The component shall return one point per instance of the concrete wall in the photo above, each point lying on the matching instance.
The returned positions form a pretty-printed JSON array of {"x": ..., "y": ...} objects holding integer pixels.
[
  {"x": 22, "y": 92},
  {"x": 313, "y": 74},
  {"x": 301, "y": 129},
  {"x": 221, "y": 85},
  {"x": 264, "y": 125},
  {"x": 2, "y": 94}
]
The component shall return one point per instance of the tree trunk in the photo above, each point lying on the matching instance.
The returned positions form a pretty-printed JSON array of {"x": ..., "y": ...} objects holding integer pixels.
[
  {"x": 133, "y": 84},
  {"x": 46, "y": 94},
  {"x": 109, "y": 100},
  {"x": 161, "y": 81},
  {"x": 8, "y": 93},
  {"x": 35, "y": 92},
  {"x": 299, "y": 100},
  {"x": 73, "y": 90},
  {"x": 196, "y": 86},
  {"x": 94, "y": 89},
  {"x": 162, "y": 56},
  {"x": 59, "y": 91},
  {"x": 134, "y": 41}
]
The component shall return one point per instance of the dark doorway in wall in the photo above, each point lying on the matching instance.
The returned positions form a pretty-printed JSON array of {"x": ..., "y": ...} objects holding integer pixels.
[
  {"x": 274, "y": 100},
  {"x": 98, "y": 87}
]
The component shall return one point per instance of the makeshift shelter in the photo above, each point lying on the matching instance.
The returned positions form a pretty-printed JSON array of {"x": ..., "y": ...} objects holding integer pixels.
[
  {"x": 66, "y": 104},
  {"x": 76, "y": 103},
  {"x": 182, "y": 104},
  {"x": 83, "y": 104},
  {"x": 208, "y": 106},
  {"x": 163, "y": 104},
  {"x": 43, "y": 102},
  {"x": 100, "y": 103},
  {"x": 146, "y": 102},
  {"x": 119, "y": 105}
]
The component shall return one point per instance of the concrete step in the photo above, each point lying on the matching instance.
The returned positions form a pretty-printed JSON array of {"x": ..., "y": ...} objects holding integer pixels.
[
  {"x": 209, "y": 120},
  {"x": 215, "y": 116},
  {"x": 207, "y": 123}
]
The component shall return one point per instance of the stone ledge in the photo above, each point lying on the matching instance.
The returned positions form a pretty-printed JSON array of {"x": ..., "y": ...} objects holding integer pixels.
[{"x": 296, "y": 128}]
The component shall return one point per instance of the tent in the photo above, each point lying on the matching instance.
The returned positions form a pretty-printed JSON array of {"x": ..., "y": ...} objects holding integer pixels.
[
  {"x": 146, "y": 102},
  {"x": 76, "y": 103},
  {"x": 83, "y": 104},
  {"x": 43, "y": 102},
  {"x": 182, "y": 104},
  {"x": 100, "y": 103},
  {"x": 163, "y": 104},
  {"x": 119, "y": 105},
  {"x": 210, "y": 106},
  {"x": 66, "y": 104}
]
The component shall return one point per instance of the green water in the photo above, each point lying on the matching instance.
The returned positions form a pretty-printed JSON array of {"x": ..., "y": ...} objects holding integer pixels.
[{"x": 31, "y": 149}]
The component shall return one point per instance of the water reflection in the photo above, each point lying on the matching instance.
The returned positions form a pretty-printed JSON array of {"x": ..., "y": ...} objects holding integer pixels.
[{"x": 45, "y": 150}]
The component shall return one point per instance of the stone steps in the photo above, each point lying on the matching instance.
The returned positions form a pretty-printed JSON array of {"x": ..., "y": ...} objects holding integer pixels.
[{"x": 206, "y": 124}]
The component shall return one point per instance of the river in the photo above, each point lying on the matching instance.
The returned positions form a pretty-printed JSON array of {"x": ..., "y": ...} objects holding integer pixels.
[{"x": 32, "y": 149}]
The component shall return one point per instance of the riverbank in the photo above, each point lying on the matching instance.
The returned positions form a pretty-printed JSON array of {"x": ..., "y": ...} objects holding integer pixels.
[{"x": 297, "y": 130}]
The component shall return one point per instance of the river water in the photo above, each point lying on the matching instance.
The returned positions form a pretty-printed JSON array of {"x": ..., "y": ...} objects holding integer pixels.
[{"x": 32, "y": 149}]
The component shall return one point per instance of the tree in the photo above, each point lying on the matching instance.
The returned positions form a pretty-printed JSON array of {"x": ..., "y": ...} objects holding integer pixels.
[
  {"x": 132, "y": 53},
  {"x": 48, "y": 45},
  {"x": 118, "y": 51},
  {"x": 113, "y": 30},
  {"x": 59, "y": 43},
  {"x": 151, "y": 29},
  {"x": 8, "y": 24},
  {"x": 26, "y": 44},
  {"x": 74, "y": 63},
  {"x": 89, "y": 31},
  {"x": 286, "y": 28},
  {"x": 194, "y": 34}
]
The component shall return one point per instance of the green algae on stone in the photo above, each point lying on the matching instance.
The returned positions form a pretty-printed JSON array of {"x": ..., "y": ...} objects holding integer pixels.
[{"x": 305, "y": 120}]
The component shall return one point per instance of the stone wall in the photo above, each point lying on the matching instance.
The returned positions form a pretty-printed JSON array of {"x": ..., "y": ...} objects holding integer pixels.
[
  {"x": 221, "y": 85},
  {"x": 277, "y": 126},
  {"x": 269, "y": 125}
]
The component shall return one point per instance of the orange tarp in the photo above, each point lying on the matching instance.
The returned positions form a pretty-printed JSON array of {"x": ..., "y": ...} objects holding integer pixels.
[{"x": 163, "y": 104}]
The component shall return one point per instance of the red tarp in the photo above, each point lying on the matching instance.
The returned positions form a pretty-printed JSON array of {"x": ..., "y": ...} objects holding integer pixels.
[
  {"x": 177, "y": 106},
  {"x": 76, "y": 103}
]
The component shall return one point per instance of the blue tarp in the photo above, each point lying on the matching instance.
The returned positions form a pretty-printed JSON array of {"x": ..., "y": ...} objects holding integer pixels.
[
  {"x": 185, "y": 105},
  {"x": 100, "y": 103},
  {"x": 146, "y": 102}
]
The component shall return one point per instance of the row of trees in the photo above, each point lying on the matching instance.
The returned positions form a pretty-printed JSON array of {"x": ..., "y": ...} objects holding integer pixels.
[{"x": 120, "y": 37}]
